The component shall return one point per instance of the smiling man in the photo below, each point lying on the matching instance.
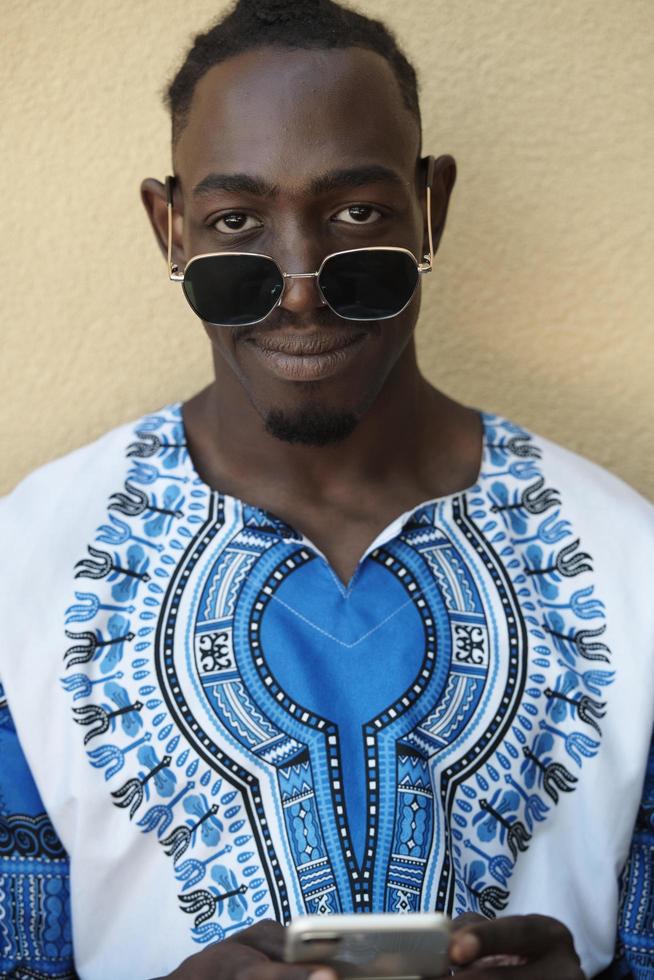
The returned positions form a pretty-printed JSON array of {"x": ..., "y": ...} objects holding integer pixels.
[
  {"x": 314, "y": 171},
  {"x": 320, "y": 639}
]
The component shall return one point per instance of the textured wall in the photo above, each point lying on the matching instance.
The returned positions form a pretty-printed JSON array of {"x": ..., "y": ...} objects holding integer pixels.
[{"x": 543, "y": 302}]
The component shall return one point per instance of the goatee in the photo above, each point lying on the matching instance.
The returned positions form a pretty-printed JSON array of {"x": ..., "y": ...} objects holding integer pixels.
[{"x": 311, "y": 426}]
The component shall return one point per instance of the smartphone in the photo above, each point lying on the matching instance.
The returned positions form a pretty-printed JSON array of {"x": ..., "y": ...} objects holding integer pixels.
[{"x": 370, "y": 946}]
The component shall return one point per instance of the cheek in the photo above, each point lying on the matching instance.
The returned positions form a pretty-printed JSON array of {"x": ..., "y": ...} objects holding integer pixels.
[
  {"x": 222, "y": 345},
  {"x": 404, "y": 325}
]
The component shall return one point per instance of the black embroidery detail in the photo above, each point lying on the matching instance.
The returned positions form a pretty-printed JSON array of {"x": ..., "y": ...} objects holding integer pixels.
[
  {"x": 103, "y": 566},
  {"x": 534, "y": 499},
  {"x": 587, "y": 708},
  {"x": 517, "y": 835},
  {"x": 491, "y": 899},
  {"x": 99, "y": 717},
  {"x": 150, "y": 444},
  {"x": 555, "y": 776},
  {"x": 131, "y": 794},
  {"x": 30, "y": 837},
  {"x": 177, "y": 842},
  {"x": 470, "y": 644},
  {"x": 135, "y": 502},
  {"x": 204, "y": 903},
  {"x": 81, "y": 653},
  {"x": 566, "y": 562},
  {"x": 519, "y": 446},
  {"x": 579, "y": 640}
]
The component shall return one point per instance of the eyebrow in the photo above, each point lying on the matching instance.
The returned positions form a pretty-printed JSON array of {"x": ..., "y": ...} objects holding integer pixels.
[
  {"x": 235, "y": 183},
  {"x": 323, "y": 184},
  {"x": 355, "y": 177}
]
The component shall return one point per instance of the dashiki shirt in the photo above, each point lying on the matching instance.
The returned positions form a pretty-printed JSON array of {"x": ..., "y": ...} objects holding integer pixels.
[{"x": 204, "y": 727}]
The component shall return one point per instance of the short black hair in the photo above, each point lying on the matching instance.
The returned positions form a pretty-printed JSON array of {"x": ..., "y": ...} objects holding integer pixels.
[{"x": 299, "y": 24}]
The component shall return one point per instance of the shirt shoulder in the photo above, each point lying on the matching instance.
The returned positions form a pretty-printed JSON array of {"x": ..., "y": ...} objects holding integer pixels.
[
  {"x": 584, "y": 476},
  {"x": 595, "y": 496},
  {"x": 70, "y": 491}
]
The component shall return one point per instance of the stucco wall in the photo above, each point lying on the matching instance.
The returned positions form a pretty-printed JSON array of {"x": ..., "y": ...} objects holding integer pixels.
[{"x": 543, "y": 299}]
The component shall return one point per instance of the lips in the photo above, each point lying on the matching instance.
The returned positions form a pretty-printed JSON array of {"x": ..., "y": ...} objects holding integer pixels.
[
  {"x": 306, "y": 356},
  {"x": 305, "y": 344}
]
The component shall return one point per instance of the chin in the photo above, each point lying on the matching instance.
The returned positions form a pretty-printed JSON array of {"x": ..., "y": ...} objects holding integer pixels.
[{"x": 312, "y": 425}]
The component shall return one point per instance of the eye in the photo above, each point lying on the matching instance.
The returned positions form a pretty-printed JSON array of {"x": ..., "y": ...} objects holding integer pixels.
[
  {"x": 235, "y": 221},
  {"x": 358, "y": 214}
]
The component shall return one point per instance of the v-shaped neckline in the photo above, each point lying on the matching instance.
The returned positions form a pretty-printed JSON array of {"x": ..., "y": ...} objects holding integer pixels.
[{"x": 285, "y": 529}]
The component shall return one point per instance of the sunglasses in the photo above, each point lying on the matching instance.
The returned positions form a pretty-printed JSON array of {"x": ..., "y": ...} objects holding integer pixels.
[{"x": 242, "y": 288}]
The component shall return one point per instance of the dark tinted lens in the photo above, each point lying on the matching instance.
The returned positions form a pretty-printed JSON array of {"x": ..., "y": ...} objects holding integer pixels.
[
  {"x": 232, "y": 290},
  {"x": 371, "y": 284}
]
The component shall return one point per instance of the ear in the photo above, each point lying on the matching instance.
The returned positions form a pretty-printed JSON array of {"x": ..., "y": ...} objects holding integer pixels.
[
  {"x": 441, "y": 173},
  {"x": 153, "y": 195}
]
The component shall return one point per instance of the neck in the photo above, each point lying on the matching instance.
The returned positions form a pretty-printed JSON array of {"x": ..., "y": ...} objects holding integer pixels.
[
  {"x": 228, "y": 438},
  {"x": 396, "y": 437},
  {"x": 412, "y": 445}
]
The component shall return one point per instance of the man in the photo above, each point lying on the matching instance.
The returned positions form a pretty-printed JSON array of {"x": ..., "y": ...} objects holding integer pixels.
[{"x": 320, "y": 639}]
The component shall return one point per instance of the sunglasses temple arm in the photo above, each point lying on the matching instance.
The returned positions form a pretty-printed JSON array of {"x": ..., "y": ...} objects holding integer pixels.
[
  {"x": 427, "y": 264},
  {"x": 173, "y": 270}
]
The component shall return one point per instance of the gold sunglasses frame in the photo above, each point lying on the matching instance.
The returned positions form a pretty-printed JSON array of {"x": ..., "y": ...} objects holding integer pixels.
[{"x": 423, "y": 267}]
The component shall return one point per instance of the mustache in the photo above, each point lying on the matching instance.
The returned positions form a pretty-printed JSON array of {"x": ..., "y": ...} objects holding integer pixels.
[{"x": 322, "y": 318}]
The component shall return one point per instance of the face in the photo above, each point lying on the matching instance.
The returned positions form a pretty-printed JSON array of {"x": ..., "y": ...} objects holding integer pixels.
[{"x": 296, "y": 155}]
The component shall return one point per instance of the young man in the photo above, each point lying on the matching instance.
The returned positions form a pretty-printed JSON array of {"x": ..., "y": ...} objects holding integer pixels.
[{"x": 320, "y": 639}]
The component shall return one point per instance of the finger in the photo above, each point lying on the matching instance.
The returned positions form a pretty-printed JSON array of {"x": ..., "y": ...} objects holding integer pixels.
[
  {"x": 547, "y": 968},
  {"x": 266, "y": 936},
  {"x": 530, "y": 936},
  {"x": 219, "y": 960},
  {"x": 269, "y": 970},
  {"x": 464, "y": 949},
  {"x": 467, "y": 919},
  {"x": 501, "y": 959}
]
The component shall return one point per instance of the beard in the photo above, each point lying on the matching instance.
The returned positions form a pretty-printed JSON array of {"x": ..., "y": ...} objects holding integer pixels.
[{"x": 310, "y": 426}]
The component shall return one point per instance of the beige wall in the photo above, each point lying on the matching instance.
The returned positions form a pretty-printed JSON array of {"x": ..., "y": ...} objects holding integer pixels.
[{"x": 543, "y": 300}]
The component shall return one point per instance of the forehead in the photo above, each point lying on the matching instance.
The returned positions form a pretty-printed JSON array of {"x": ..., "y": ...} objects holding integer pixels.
[{"x": 291, "y": 114}]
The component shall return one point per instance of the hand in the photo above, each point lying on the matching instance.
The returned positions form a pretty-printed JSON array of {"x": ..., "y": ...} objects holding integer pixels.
[
  {"x": 253, "y": 954},
  {"x": 519, "y": 947}
]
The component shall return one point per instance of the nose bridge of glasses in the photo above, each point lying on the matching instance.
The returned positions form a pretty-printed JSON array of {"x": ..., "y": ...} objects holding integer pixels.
[{"x": 302, "y": 295}]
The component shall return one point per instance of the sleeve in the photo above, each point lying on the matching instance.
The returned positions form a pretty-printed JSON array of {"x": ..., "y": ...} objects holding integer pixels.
[
  {"x": 635, "y": 949},
  {"x": 35, "y": 927}
]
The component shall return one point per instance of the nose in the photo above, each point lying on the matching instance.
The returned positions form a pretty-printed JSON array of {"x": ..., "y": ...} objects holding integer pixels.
[{"x": 301, "y": 293}]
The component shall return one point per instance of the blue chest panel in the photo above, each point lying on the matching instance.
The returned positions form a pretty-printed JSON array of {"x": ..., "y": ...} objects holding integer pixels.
[{"x": 345, "y": 657}]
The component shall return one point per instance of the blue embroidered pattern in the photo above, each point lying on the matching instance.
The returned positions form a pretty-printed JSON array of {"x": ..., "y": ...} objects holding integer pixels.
[
  {"x": 35, "y": 935},
  {"x": 636, "y": 931}
]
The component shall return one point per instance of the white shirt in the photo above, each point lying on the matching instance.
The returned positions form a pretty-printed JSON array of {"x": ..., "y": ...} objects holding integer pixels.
[{"x": 221, "y": 730}]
